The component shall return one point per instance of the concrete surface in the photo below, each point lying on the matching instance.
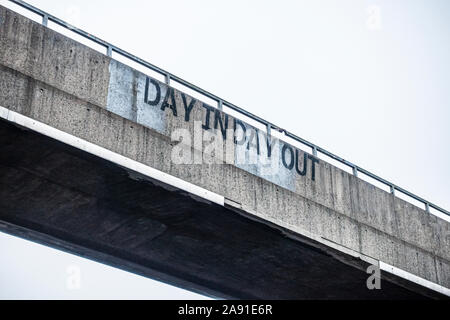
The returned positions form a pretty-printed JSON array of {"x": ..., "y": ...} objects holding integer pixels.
[{"x": 50, "y": 78}]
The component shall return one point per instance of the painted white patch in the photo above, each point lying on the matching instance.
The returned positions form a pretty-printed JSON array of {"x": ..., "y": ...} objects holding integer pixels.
[
  {"x": 109, "y": 155},
  {"x": 281, "y": 175},
  {"x": 271, "y": 169},
  {"x": 126, "y": 97},
  {"x": 120, "y": 91},
  {"x": 413, "y": 278}
]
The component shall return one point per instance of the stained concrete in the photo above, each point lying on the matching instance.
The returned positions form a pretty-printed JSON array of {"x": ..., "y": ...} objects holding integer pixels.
[
  {"x": 55, "y": 80},
  {"x": 103, "y": 210}
]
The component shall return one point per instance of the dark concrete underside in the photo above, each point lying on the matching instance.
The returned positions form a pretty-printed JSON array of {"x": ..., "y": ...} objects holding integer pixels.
[{"x": 63, "y": 197}]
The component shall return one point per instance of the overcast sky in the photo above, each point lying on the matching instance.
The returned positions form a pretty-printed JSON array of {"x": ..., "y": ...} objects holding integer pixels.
[{"x": 367, "y": 80}]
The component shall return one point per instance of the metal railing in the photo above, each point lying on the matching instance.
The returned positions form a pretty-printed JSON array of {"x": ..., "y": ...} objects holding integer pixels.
[{"x": 46, "y": 17}]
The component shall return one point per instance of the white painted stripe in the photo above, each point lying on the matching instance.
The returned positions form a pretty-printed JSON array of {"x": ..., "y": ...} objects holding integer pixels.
[
  {"x": 109, "y": 155},
  {"x": 413, "y": 278}
]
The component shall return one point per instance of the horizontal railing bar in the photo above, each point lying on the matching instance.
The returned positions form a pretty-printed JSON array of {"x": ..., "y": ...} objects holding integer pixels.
[
  {"x": 60, "y": 22},
  {"x": 222, "y": 102}
]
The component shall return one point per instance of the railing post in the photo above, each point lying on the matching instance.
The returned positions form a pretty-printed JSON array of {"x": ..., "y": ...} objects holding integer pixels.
[
  {"x": 355, "y": 171},
  {"x": 392, "y": 190},
  {"x": 220, "y": 105},
  {"x": 269, "y": 130},
  {"x": 109, "y": 51},
  {"x": 45, "y": 20},
  {"x": 314, "y": 151},
  {"x": 167, "y": 79},
  {"x": 427, "y": 207}
]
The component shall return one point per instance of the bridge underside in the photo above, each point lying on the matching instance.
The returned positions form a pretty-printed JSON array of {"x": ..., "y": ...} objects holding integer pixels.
[{"x": 68, "y": 199}]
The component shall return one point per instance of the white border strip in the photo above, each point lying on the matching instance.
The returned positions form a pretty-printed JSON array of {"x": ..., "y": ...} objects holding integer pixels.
[
  {"x": 109, "y": 155},
  {"x": 413, "y": 278}
]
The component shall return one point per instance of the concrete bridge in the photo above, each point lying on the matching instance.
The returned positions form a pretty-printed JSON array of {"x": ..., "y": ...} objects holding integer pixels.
[{"x": 103, "y": 161}]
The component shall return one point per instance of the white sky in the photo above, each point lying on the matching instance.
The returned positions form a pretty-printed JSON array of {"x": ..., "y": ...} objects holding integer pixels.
[{"x": 375, "y": 92}]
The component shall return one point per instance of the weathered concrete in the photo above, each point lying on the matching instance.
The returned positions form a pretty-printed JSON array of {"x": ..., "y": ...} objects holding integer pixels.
[
  {"x": 57, "y": 81},
  {"x": 49, "y": 192}
]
